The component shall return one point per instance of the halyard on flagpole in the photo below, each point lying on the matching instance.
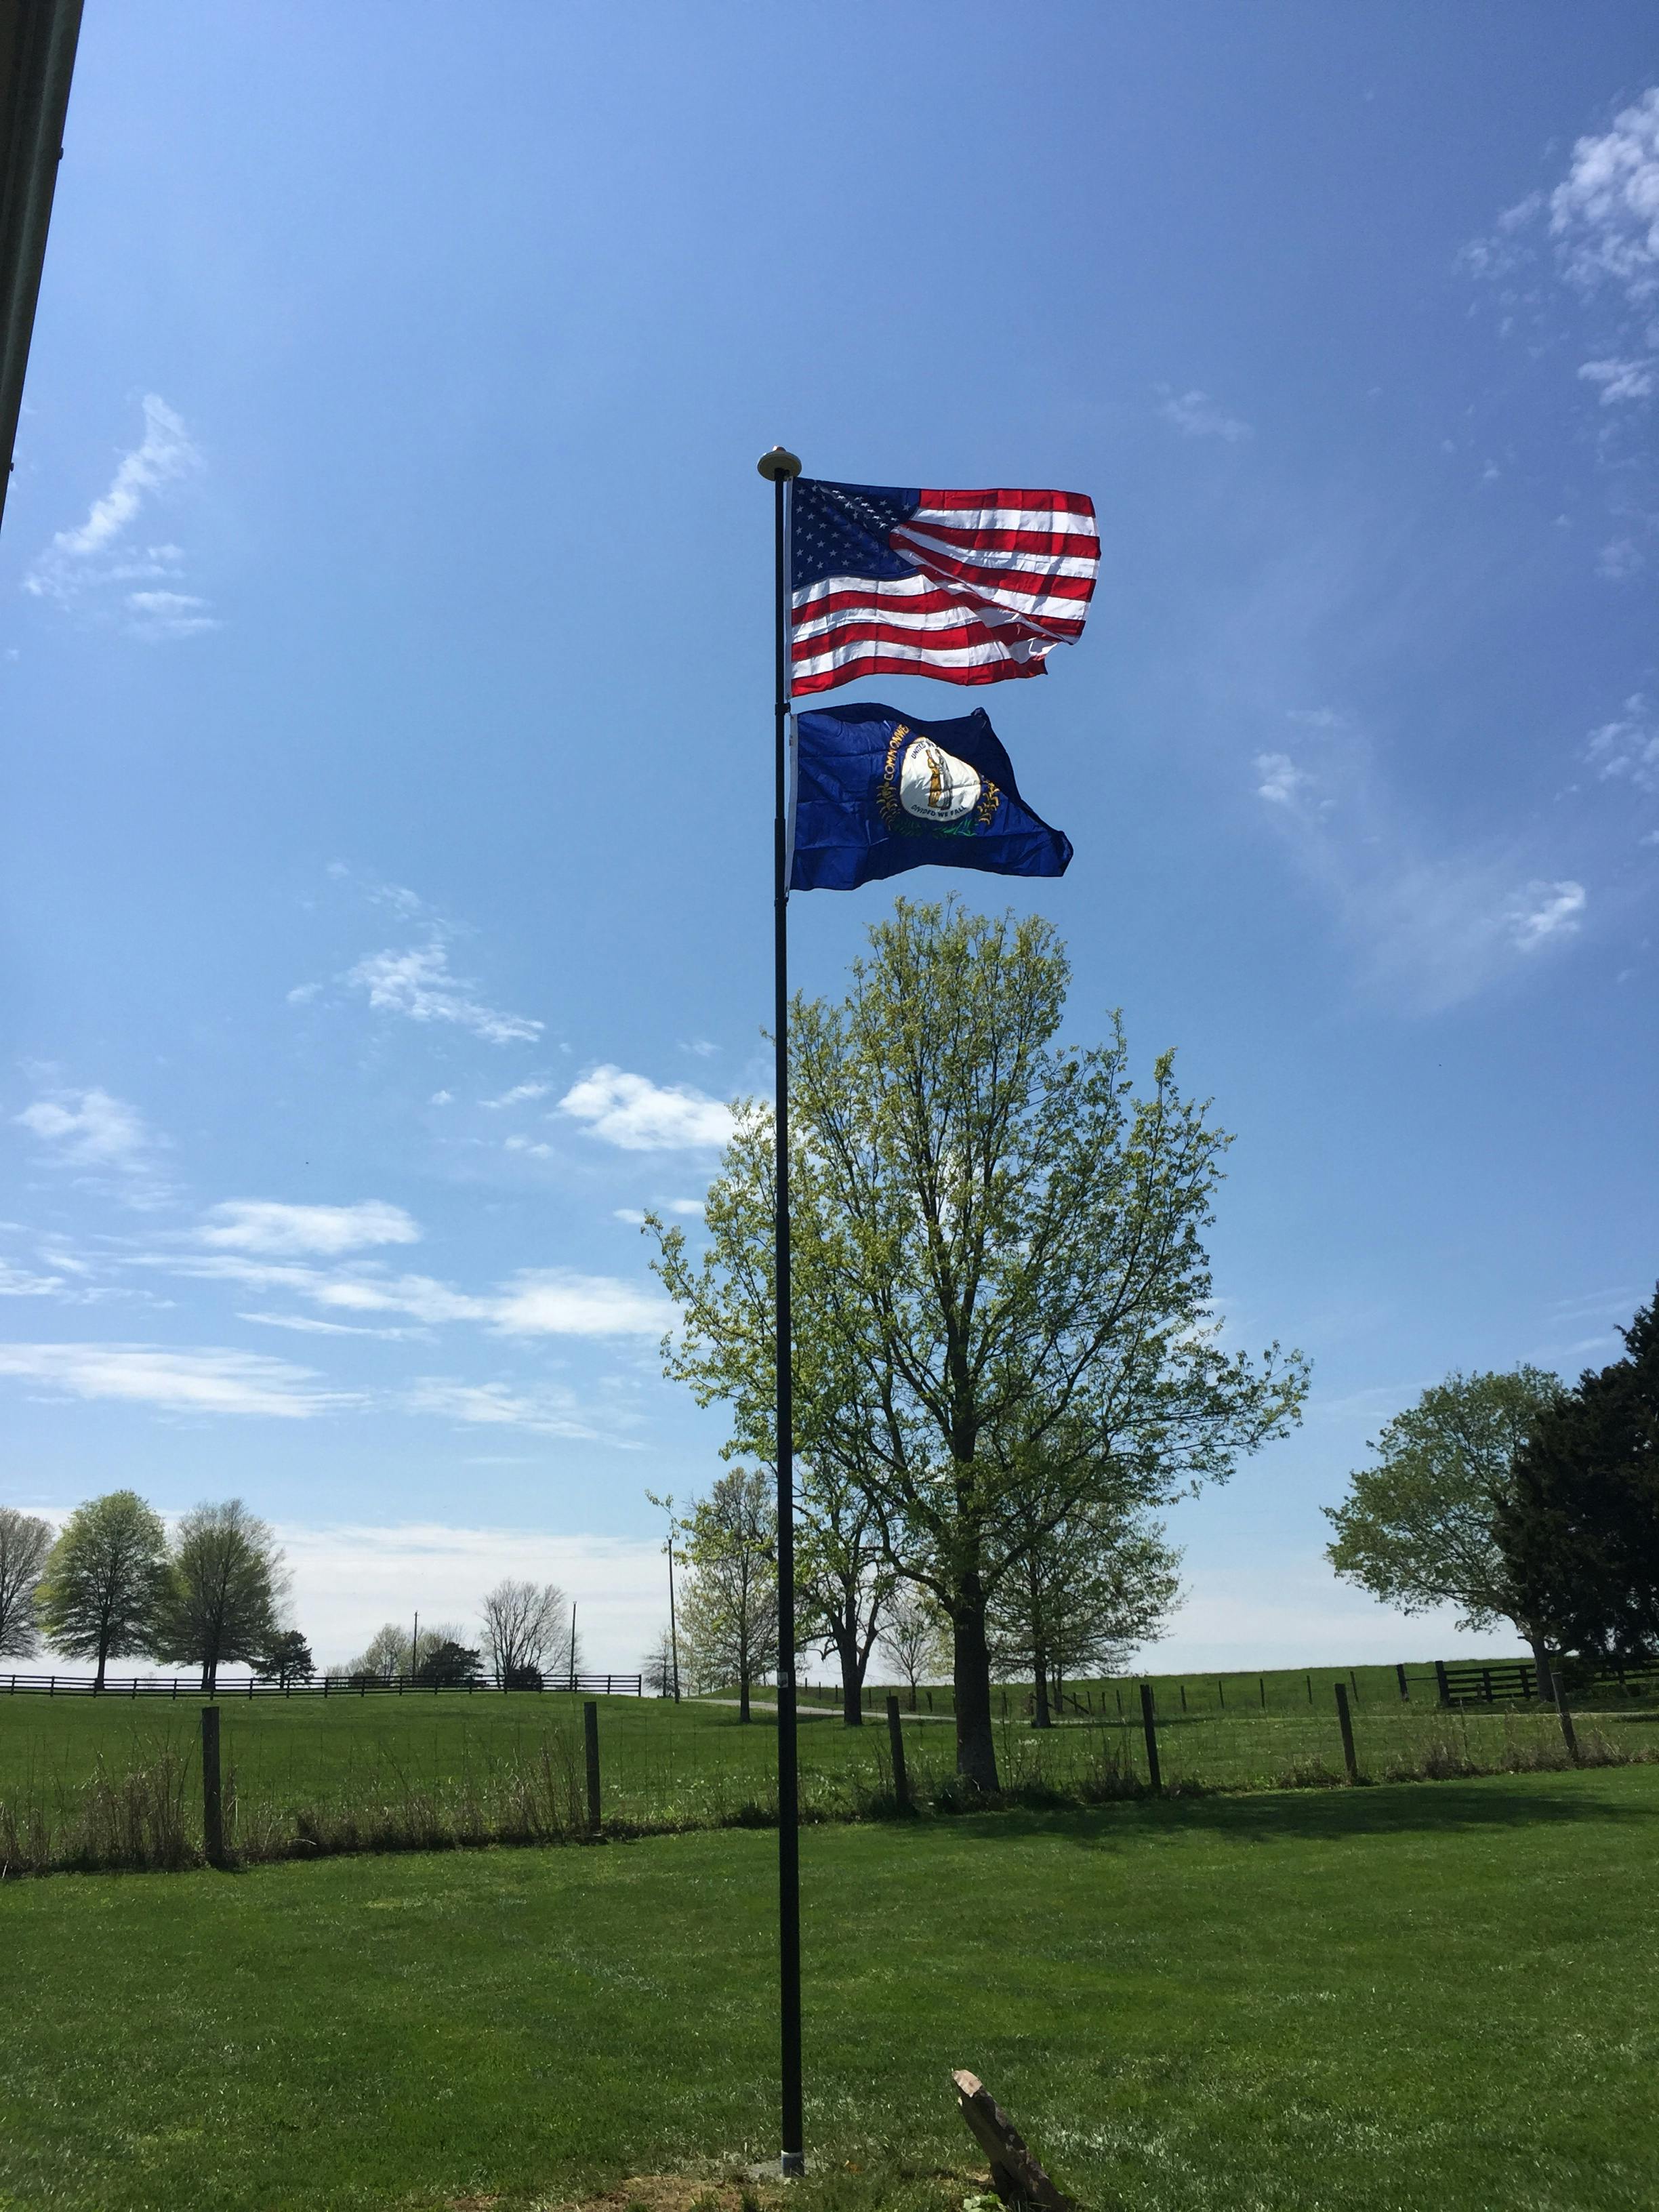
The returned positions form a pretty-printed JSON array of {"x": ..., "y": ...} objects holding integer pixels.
[{"x": 779, "y": 468}]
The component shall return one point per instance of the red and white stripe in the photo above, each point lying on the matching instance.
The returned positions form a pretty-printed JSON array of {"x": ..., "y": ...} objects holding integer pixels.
[{"x": 1001, "y": 578}]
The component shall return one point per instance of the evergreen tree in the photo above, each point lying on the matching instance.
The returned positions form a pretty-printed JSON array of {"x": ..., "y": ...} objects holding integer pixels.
[
  {"x": 286, "y": 1658},
  {"x": 1580, "y": 1530}
]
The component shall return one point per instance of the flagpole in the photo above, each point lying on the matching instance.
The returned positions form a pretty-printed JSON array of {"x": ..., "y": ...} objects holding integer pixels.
[{"x": 779, "y": 467}]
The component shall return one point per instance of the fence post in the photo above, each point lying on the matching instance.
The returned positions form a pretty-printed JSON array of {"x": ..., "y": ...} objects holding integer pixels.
[
  {"x": 896, "y": 1743},
  {"x": 213, "y": 1803},
  {"x": 1261, "y": 1684},
  {"x": 1182, "y": 1686},
  {"x": 1405, "y": 1690},
  {"x": 1149, "y": 1722},
  {"x": 1441, "y": 1683},
  {"x": 591, "y": 1740},
  {"x": 1343, "y": 1718},
  {"x": 1221, "y": 1692}
]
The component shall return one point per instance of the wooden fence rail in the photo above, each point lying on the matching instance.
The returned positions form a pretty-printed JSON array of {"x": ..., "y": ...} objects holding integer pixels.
[{"x": 318, "y": 1685}]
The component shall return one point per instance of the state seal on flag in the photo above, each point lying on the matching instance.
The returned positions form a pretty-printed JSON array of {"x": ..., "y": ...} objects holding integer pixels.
[{"x": 924, "y": 787}]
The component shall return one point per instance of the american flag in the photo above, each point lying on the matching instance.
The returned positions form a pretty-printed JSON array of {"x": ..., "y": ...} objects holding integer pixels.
[{"x": 968, "y": 586}]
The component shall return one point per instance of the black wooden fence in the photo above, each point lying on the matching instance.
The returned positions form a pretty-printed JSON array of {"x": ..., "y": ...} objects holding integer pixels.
[{"x": 318, "y": 1685}]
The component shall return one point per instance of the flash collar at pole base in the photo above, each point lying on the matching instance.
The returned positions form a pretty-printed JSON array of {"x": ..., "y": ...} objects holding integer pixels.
[
  {"x": 780, "y": 462},
  {"x": 792, "y": 2165}
]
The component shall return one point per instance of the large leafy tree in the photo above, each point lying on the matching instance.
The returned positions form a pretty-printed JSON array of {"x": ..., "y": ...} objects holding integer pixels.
[
  {"x": 1082, "y": 1595},
  {"x": 225, "y": 1585},
  {"x": 729, "y": 1610},
  {"x": 25, "y": 1541},
  {"x": 1419, "y": 1528},
  {"x": 1580, "y": 1527},
  {"x": 1001, "y": 1296},
  {"x": 105, "y": 1578}
]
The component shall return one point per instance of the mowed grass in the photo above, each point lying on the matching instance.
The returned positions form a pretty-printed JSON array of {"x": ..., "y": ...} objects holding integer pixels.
[{"x": 1412, "y": 1997}]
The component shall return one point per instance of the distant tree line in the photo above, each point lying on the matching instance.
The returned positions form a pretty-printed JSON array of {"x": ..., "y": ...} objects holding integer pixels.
[
  {"x": 1517, "y": 1498},
  {"x": 113, "y": 1585}
]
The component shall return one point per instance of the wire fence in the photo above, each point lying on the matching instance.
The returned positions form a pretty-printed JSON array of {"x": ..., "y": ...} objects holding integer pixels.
[{"x": 107, "y": 1782}]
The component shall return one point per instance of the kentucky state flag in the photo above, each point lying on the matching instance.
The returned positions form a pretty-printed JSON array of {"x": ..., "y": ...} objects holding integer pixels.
[{"x": 877, "y": 792}]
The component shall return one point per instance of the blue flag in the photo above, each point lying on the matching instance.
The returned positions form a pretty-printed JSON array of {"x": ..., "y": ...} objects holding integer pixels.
[{"x": 879, "y": 791}]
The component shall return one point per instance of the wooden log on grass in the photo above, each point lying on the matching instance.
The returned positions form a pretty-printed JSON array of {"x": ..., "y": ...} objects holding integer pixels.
[{"x": 1015, "y": 2174}]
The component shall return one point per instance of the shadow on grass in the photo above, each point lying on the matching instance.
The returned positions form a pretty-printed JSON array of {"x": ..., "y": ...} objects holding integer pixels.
[{"x": 1489, "y": 1801}]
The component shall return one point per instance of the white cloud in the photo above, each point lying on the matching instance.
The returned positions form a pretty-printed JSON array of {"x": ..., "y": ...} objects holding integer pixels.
[
  {"x": 86, "y": 560},
  {"x": 1604, "y": 216},
  {"x": 545, "y": 1412},
  {"x": 204, "y": 1381},
  {"x": 306, "y": 1325},
  {"x": 642, "y": 1116},
  {"x": 1628, "y": 748},
  {"x": 548, "y": 1301},
  {"x": 525, "y": 1145},
  {"x": 1195, "y": 414},
  {"x": 90, "y": 1128},
  {"x": 251, "y": 1224},
  {"x": 416, "y": 982},
  {"x": 686, "y": 1205},
  {"x": 18, "y": 1283},
  {"x": 699, "y": 1048},
  {"x": 1435, "y": 928},
  {"x": 631, "y": 1214},
  {"x": 168, "y": 614},
  {"x": 517, "y": 1095},
  {"x": 1621, "y": 380},
  {"x": 347, "y": 1580},
  {"x": 1546, "y": 913},
  {"x": 1281, "y": 779}
]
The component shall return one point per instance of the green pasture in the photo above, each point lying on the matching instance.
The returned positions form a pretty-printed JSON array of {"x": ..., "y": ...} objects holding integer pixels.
[
  {"x": 1342, "y": 2001},
  {"x": 352, "y": 1773}
]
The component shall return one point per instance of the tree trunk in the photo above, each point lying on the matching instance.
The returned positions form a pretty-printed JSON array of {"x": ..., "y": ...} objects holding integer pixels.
[
  {"x": 742, "y": 1698},
  {"x": 976, "y": 1753},
  {"x": 1040, "y": 1717},
  {"x": 1540, "y": 1660},
  {"x": 103, "y": 1655},
  {"x": 851, "y": 1672}
]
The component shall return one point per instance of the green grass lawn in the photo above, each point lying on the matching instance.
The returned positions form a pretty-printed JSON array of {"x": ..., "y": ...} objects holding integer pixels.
[{"x": 1412, "y": 1997}]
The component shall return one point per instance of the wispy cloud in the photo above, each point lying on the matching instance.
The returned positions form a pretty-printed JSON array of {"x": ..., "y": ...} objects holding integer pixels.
[
  {"x": 1627, "y": 748},
  {"x": 642, "y": 1116},
  {"x": 1281, "y": 779},
  {"x": 546, "y": 1411},
  {"x": 1195, "y": 414},
  {"x": 519, "y": 1094},
  {"x": 1434, "y": 927},
  {"x": 549, "y": 1302},
  {"x": 200, "y": 1381},
  {"x": 535, "y": 1302},
  {"x": 93, "y": 564},
  {"x": 258, "y": 1225},
  {"x": 100, "y": 1139},
  {"x": 415, "y": 981},
  {"x": 307, "y": 1325}
]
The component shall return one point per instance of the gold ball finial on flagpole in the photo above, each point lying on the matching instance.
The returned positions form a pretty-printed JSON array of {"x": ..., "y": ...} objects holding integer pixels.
[{"x": 780, "y": 462}]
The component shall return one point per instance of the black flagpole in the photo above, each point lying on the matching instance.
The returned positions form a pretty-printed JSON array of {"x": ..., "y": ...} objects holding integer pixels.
[{"x": 779, "y": 467}]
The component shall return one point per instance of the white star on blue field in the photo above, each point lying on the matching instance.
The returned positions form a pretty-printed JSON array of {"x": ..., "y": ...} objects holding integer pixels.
[{"x": 385, "y": 683}]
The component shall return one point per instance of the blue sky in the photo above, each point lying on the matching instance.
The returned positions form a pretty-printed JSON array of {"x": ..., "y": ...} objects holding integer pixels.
[{"x": 385, "y": 678}]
